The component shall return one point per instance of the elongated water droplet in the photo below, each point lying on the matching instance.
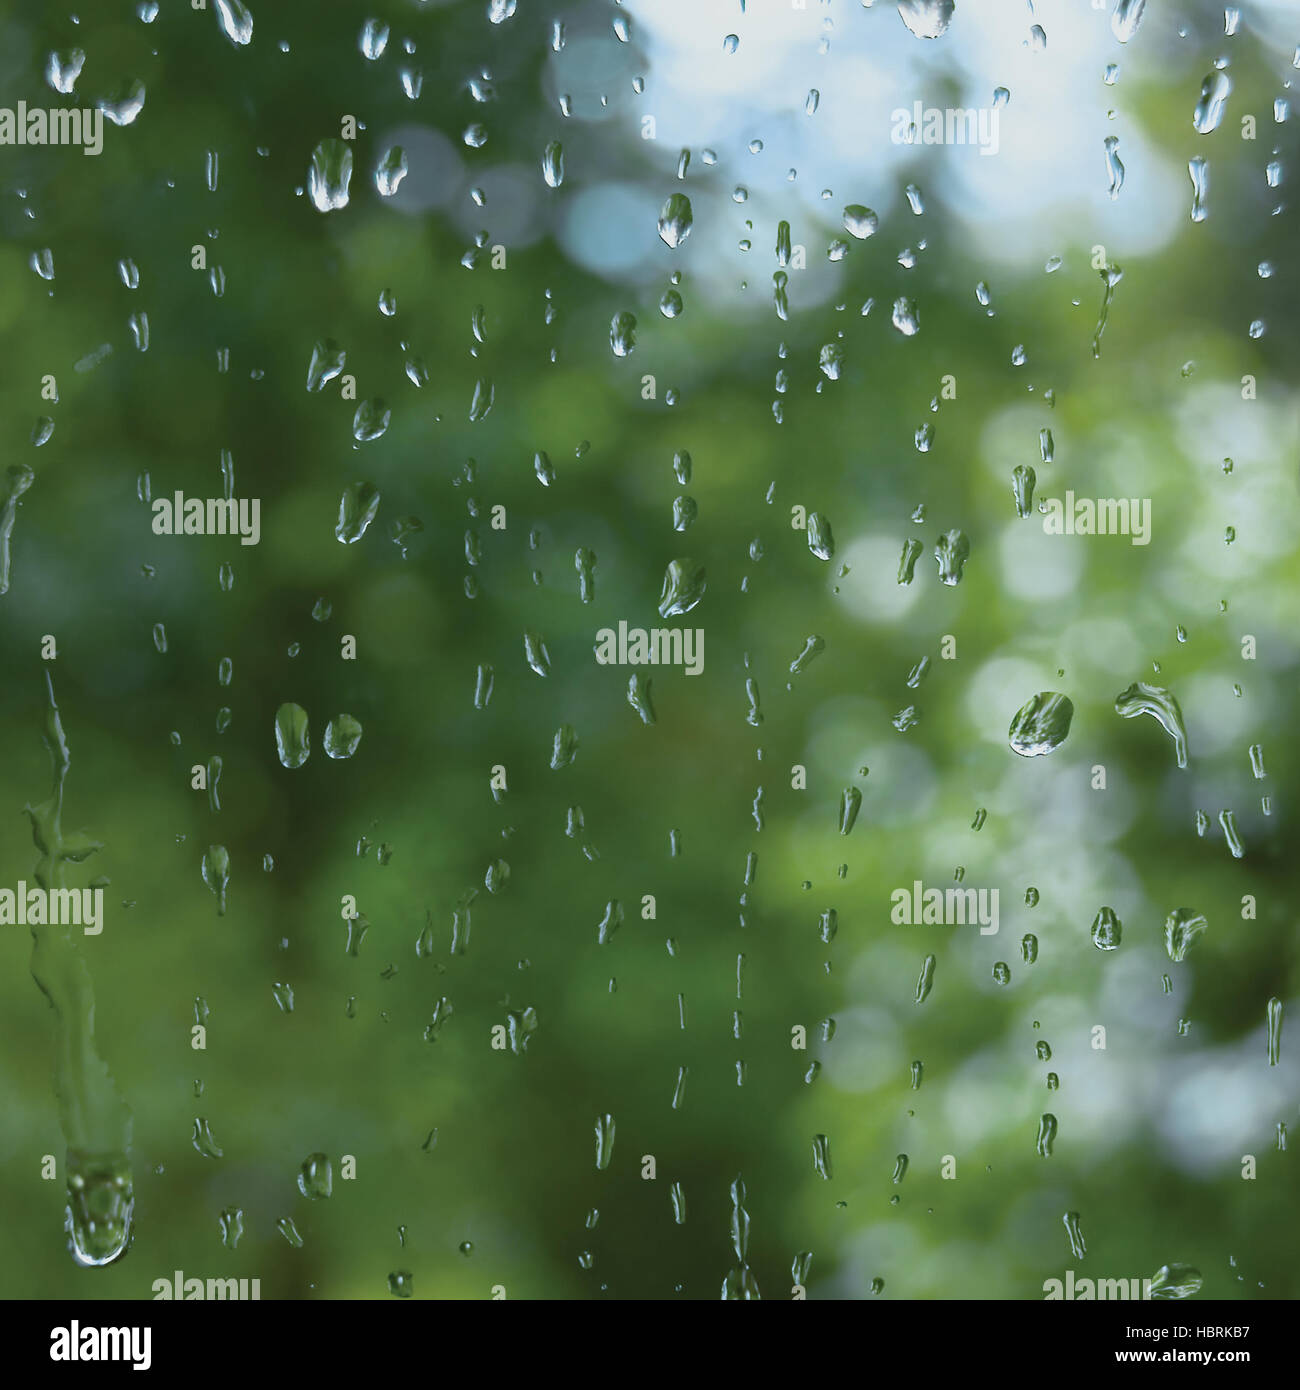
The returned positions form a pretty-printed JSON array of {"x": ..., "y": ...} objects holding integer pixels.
[
  {"x": 925, "y": 981},
  {"x": 1199, "y": 169},
  {"x": 289, "y": 1231},
  {"x": 535, "y": 653},
  {"x": 485, "y": 394},
  {"x": 622, "y": 333},
  {"x": 235, "y": 20},
  {"x": 18, "y": 478},
  {"x": 357, "y": 509},
  {"x": 1114, "y": 166},
  {"x": 905, "y": 317},
  {"x": 330, "y": 175},
  {"x": 820, "y": 540},
  {"x": 638, "y": 696},
  {"x": 679, "y": 1090},
  {"x": 292, "y": 740},
  {"x": 604, "y": 1140},
  {"x": 1230, "y": 834},
  {"x": 231, "y": 1222},
  {"x": 373, "y": 39},
  {"x": 1078, "y": 1246},
  {"x": 203, "y": 1140},
  {"x": 1161, "y": 705},
  {"x": 215, "y": 868},
  {"x": 584, "y": 561},
  {"x": 683, "y": 587},
  {"x": 952, "y": 550},
  {"x": 63, "y": 69},
  {"x": 327, "y": 360},
  {"x": 1046, "y": 1135},
  {"x": 1182, "y": 927},
  {"x": 675, "y": 220},
  {"x": 564, "y": 747},
  {"x": 553, "y": 164},
  {"x": 822, "y": 1156},
  {"x": 1023, "y": 479},
  {"x": 1125, "y": 18},
  {"x": 390, "y": 171},
  {"x": 1215, "y": 91}
]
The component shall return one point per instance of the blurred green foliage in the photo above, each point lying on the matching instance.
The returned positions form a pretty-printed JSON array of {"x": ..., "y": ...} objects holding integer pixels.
[{"x": 1152, "y": 1128}]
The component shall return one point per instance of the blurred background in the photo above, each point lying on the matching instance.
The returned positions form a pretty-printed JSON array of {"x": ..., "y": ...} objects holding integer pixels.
[{"x": 496, "y": 270}]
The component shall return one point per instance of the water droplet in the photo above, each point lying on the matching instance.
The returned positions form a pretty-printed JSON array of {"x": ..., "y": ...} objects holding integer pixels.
[
  {"x": 1041, "y": 725},
  {"x": 1046, "y": 1135},
  {"x": 675, "y": 221},
  {"x": 292, "y": 740},
  {"x": 357, "y": 508},
  {"x": 1073, "y": 1229},
  {"x": 1182, "y": 927},
  {"x": 905, "y": 316},
  {"x": 604, "y": 1140},
  {"x": 1125, "y": 18},
  {"x": 952, "y": 550},
  {"x": 860, "y": 221},
  {"x": 1215, "y": 91},
  {"x": 203, "y": 1140},
  {"x": 342, "y": 735},
  {"x": 215, "y": 868},
  {"x": 927, "y": 19},
  {"x": 371, "y": 419},
  {"x": 1161, "y": 705},
  {"x": 683, "y": 587},
  {"x": 1175, "y": 1281},
  {"x": 622, "y": 333},
  {"x": 329, "y": 176},
  {"x": 1107, "y": 930},
  {"x": 316, "y": 1177}
]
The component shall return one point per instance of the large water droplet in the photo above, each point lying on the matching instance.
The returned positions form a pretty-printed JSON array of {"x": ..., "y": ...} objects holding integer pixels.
[
  {"x": 329, "y": 175},
  {"x": 1041, "y": 724},
  {"x": 292, "y": 740}
]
